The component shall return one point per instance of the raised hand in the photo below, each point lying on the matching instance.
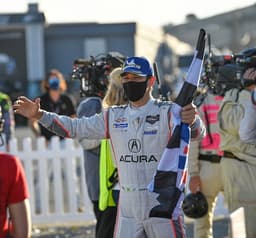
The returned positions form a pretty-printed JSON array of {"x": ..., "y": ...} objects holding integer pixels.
[
  {"x": 28, "y": 108},
  {"x": 188, "y": 114}
]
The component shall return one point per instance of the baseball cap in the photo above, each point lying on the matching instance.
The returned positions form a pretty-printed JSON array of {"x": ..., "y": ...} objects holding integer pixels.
[
  {"x": 137, "y": 65},
  {"x": 54, "y": 83}
]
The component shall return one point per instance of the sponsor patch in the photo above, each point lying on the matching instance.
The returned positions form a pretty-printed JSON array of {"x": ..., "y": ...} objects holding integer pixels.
[
  {"x": 152, "y": 132},
  {"x": 134, "y": 145},
  {"x": 120, "y": 125},
  {"x": 121, "y": 120},
  {"x": 132, "y": 64},
  {"x": 152, "y": 119},
  {"x": 137, "y": 158}
]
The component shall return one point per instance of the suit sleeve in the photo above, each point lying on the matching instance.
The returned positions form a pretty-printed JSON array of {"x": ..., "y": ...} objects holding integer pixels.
[
  {"x": 194, "y": 149},
  {"x": 193, "y": 162},
  {"x": 247, "y": 130},
  {"x": 197, "y": 129},
  {"x": 86, "y": 127},
  {"x": 232, "y": 110},
  {"x": 87, "y": 108}
]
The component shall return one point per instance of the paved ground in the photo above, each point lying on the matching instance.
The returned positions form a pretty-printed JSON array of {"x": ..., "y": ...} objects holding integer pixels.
[
  {"x": 64, "y": 232},
  {"x": 220, "y": 230}
]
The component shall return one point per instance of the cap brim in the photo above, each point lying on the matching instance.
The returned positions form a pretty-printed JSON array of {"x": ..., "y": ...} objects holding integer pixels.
[{"x": 132, "y": 72}]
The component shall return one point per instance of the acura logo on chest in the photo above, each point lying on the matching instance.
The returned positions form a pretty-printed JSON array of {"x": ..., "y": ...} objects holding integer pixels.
[{"x": 134, "y": 145}]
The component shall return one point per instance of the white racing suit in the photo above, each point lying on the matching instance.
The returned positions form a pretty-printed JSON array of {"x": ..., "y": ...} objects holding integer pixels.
[
  {"x": 138, "y": 137},
  {"x": 239, "y": 161}
]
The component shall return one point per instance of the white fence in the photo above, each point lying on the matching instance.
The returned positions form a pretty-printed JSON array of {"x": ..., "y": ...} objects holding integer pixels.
[{"x": 56, "y": 180}]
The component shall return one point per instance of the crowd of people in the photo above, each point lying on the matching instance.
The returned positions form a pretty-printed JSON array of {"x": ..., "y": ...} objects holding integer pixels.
[{"x": 124, "y": 131}]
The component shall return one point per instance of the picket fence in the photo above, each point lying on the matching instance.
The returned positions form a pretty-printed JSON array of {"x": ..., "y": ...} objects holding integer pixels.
[{"x": 56, "y": 180}]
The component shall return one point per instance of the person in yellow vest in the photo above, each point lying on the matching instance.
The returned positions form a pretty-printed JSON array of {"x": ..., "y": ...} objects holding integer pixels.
[
  {"x": 109, "y": 189},
  {"x": 8, "y": 117}
]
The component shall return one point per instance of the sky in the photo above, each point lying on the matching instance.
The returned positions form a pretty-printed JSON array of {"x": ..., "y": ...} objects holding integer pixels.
[{"x": 148, "y": 12}]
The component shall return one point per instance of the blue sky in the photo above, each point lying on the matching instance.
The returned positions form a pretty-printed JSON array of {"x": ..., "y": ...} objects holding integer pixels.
[{"x": 148, "y": 12}]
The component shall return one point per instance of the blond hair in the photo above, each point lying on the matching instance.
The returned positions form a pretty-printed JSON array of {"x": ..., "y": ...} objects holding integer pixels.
[{"x": 115, "y": 94}]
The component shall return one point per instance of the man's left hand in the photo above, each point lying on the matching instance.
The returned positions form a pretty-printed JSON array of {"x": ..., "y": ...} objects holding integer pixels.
[{"x": 188, "y": 114}]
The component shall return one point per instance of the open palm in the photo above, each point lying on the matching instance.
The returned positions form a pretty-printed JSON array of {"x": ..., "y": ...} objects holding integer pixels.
[{"x": 27, "y": 107}]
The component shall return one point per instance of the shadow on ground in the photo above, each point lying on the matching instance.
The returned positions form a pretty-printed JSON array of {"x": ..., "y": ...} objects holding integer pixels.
[{"x": 220, "y": 229}]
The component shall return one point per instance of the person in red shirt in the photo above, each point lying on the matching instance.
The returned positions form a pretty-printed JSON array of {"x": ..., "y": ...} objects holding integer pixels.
[{"x": 13, "y": 197}]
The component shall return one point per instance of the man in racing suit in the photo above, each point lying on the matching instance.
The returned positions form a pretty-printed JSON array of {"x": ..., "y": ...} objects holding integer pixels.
[{"x": 139, "y": 133}]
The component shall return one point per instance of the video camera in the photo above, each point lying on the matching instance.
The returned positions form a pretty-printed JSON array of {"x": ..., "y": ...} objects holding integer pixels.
[
  {"x": 224, "y": 72},
  {"x": 93, "y": 73}
]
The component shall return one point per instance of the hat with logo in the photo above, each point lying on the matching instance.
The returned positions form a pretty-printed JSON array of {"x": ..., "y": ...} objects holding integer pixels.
[
  {"x": 54, "y": 83},
  {"x": 137, "y": 65}
]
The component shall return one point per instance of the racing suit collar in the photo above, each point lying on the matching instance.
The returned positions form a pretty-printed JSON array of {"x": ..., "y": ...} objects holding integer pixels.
[
  {"x": 144, "y": 107},
  {"x": 140, "y": 112}
]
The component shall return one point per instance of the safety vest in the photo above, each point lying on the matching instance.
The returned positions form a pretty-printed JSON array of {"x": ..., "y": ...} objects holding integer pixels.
[
  {"x": 108, "y": 176},
  {"x": 5, "y": 102}
]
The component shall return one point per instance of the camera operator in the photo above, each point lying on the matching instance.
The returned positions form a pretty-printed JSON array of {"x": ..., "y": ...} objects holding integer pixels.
[
  {"x": 204, "y": 162},
  {"x": 247, "y": 129},
  {"x": 239, "y": 161},
  {"x": 97, "y": 75},
  {"x": 88, "y": 107}
]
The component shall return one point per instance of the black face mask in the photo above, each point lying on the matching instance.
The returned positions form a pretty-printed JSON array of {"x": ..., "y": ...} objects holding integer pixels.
[{"x": 135, "y": 90}]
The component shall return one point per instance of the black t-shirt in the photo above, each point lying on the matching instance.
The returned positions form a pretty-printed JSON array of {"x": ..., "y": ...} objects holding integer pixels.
[{"x": 64, "y": 106}]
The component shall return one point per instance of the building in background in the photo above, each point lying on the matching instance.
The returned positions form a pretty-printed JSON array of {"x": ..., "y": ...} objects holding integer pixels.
[
  {"x": 32, "y": 47},
  {"x": 21, "y": 49},
  {"x": 234, "y": 30}
]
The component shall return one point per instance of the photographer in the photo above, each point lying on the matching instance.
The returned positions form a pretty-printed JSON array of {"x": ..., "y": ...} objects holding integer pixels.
[{"x": 239, "y": 161}]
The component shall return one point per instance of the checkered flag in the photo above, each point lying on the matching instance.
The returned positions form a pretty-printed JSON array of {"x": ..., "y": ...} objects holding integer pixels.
[{"x": 170, "y": 177}]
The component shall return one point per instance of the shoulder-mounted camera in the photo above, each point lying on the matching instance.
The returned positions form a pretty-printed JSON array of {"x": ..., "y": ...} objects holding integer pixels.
[
  {"x": 224, "y": 72},
  {"x": 93, "y": 73}
]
